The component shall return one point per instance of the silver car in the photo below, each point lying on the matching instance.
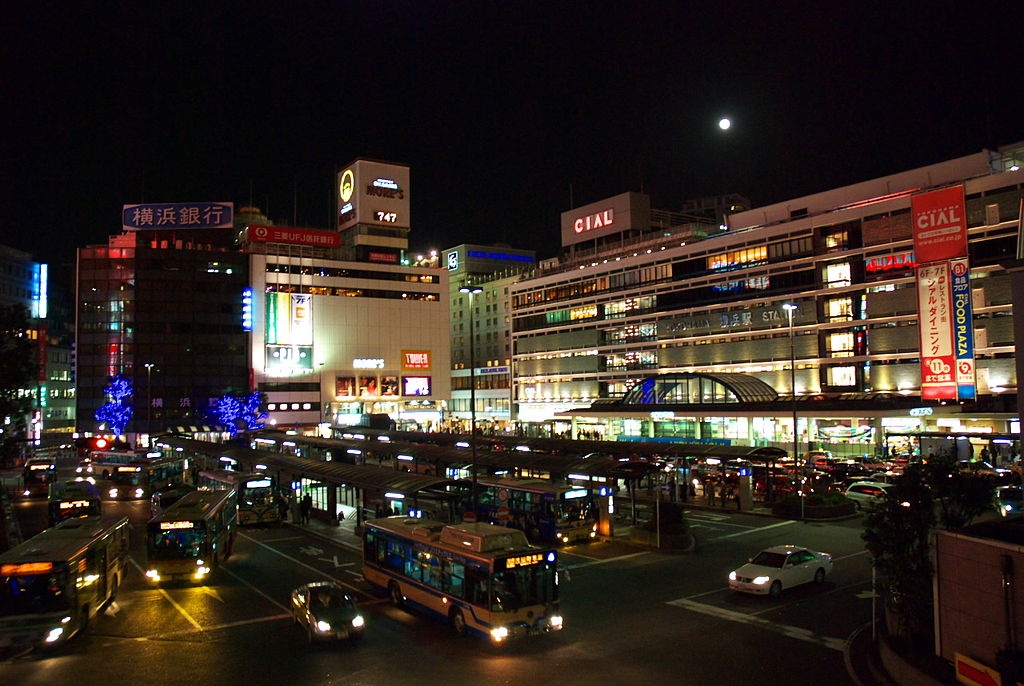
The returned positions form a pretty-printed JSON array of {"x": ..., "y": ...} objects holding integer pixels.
[
  {"x": 327, "y": 612},
  {"x": 867, "y": 495}
]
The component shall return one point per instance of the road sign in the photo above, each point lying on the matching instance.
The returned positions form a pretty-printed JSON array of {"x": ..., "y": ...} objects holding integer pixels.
[
  {"x": 503, "y": 514},
  {"x": 970, "y": 671}
]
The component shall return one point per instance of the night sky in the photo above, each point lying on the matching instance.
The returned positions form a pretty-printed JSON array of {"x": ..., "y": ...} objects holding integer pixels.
[{"x": 508, "y": 113}]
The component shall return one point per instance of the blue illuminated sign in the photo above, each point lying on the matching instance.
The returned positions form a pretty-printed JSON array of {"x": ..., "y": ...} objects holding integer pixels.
[{"x": 247, "y": 309}]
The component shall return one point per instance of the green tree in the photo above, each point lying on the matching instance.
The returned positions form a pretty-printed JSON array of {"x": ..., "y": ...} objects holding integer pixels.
[
  {"x": 18, "y": 375},
  {"x": 961, "y": 496},
  {"x": 898, "y": 534}
]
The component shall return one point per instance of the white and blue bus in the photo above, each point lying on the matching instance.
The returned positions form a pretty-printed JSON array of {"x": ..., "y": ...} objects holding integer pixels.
[
  {"x": 479, "y": 578},
  {"x": 549, "y": 513},
  {"x": 258, "y": 496}
]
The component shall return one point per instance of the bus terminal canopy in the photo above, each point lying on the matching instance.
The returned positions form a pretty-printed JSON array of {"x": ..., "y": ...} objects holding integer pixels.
[
  {"x": 361, "y": 476},
  {"x": 605, "y": 457}
]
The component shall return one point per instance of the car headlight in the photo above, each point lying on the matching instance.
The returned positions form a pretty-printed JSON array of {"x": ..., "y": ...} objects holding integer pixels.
[
  {"x": 112, "y": 493},
  {"x": 54, "y": 634},
  {"x": 321, "y": 625},
  {"x": 761, "y": 580},
  {"x": 138, "y": 492},
  {"x": 732, "y": 576},
  {"x": 358, "y": 621}
]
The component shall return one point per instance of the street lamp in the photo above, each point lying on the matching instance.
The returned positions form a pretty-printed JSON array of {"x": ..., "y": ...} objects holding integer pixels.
[
  {"x": 790, "y": 308},
  {"x": 473, "y": 291},
  {"x": 149, "y": 396}
]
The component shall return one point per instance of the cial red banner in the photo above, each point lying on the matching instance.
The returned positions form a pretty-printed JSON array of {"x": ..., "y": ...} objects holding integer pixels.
[{"x": 940, "y": 225}]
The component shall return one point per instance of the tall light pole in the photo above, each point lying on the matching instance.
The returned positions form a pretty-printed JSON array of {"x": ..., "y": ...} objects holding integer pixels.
[
  {"x": 472, "y": 291},
  {"x": 149, "y": 397},
  {"x": 790, "y": 308}
]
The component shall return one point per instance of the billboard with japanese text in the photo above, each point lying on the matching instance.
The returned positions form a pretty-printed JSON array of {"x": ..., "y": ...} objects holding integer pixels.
[
  {"x": 935, "y": 314},
  {"x": 178, "y": 215}
]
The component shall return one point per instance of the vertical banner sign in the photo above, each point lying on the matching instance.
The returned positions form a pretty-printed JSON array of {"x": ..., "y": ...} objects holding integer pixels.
[
  {"x": 936, "y": 323},
  {"x": 940, "y": 236},
  {"x": 963, "y": 329}
]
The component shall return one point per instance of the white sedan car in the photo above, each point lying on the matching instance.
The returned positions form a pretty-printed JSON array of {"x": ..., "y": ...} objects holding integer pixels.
[{"x": 780, "y": 567}]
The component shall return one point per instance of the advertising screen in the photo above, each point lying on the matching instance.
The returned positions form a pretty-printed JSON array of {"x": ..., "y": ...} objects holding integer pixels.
[{"x": 415, "y": 385}]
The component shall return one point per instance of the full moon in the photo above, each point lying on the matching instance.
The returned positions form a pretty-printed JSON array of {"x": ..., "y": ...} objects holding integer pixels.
[{"x": 724, "y": 123}]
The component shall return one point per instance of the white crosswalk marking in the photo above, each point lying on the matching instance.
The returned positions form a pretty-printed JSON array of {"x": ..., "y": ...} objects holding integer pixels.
[{"x": 796, "y": 632}]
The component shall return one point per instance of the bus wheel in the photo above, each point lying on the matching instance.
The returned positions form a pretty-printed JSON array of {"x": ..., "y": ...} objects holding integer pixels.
[
  {"x": 458, "y": 622},
  {"x": 396, "y": 594}
]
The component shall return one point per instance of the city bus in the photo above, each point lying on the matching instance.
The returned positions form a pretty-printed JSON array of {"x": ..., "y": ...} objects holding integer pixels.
[
  {"x": 37, "y": 476},
  {"x": 140, "y": 479},
  {"x": 548, "y": 512},
  {"x": 258, "y": 497},
  {"x": 192, "y": 537},
  {"x": 53, "y": 584},
  {"x": 71, "y": 499},
  {"x": 106, "y": 462},
  {"x": 480, "y": 578}
]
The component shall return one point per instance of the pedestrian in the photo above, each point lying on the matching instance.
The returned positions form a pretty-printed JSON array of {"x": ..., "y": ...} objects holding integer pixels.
[
  {"x": 723, "y": 493},
  {"x": 305, "y": 507},
  {"x": 282, "y": 507}
]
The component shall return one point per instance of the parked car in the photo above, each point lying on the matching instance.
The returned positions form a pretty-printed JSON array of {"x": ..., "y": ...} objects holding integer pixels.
[
  {"x": 780, "y": 567},
  {"x": 327, "y": 612},
  {"x": 1009, "y": 500},
  {"x": 866, "y": 495}
]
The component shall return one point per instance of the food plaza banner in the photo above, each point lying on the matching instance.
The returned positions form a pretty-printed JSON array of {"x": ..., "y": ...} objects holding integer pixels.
[{"x": 963, "y": 329}]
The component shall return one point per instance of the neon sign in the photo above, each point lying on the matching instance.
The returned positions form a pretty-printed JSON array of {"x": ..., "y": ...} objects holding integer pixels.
[
  {"x": 888, "y": 263},
  {"x": 590, "y": 222}
]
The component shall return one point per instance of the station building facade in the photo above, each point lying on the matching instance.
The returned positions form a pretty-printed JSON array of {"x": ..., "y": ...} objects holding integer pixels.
[{"x": 816, "y": 297}]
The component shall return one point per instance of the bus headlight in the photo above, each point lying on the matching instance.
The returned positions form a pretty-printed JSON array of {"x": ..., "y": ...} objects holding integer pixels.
[
  {"x": 323, "y": 626},
  {"x": 26, "y": 493},
  {"x": 152, "y": 575},
  {"x": 358, "y": 622},
  {"x": 54, "y": 634},
  {"x": 112, "y": 493},
  {"x": 499, "y": 634},
  {"x": 555, "y": 622},
  {"x": 139, "y": 492}
]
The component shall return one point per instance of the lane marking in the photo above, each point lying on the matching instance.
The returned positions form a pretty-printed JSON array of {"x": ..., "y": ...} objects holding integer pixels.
[
  {"x": 254, "y": 589},
  {"x": 796, "y": 632},
  {"x": 600, "y": 561},
  {"x": 360, "y": 591},
  {"x": 754, "y": 531},
  {"x": 215, "y": 627},
  {"x": 169, "y": 599}
]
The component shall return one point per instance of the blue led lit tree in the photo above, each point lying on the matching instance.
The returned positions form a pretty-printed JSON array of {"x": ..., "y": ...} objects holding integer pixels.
[
  {"x": 116, "y": 412},
  {"x": 239, "y": 412}
]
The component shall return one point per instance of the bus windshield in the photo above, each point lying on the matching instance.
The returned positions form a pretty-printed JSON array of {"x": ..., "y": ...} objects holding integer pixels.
[
  {"x": 258, "y": 491},
  {"x": 175, "y": 544},
  {"x": 127, "y": 477},
  {"x": 29, "y": 594},
  {"x": 516, "y": 588}
]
